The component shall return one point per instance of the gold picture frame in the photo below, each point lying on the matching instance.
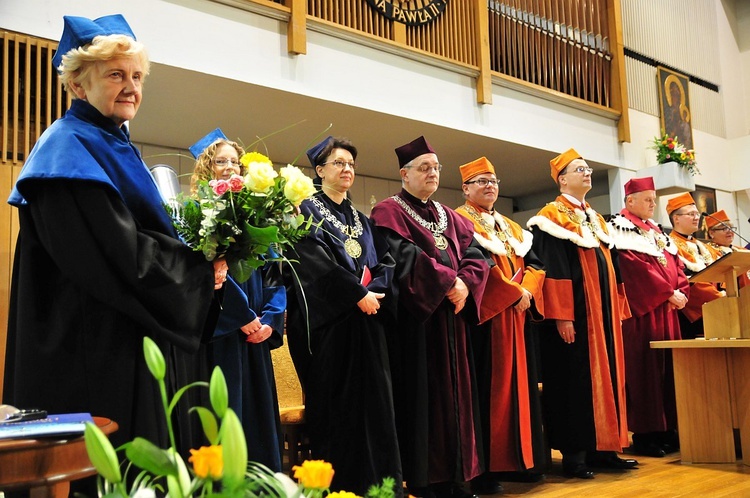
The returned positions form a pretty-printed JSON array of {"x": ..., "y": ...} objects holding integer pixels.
[{"x": 674, "y": 105}]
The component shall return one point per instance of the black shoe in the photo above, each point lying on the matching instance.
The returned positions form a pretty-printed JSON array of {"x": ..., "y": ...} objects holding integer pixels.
[
  {"x": 421, "y": 492},
  {"x": 522, "y": 476},
  {"x": 611, "y": 461},
  {"x": 649, "y": 449},
  {"x": 450, "y": 490},
  {"x": 486, "y": 484},
  {"x": 578, "y": 470}
]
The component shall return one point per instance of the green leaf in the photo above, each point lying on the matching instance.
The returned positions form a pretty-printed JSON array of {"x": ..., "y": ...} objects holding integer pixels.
[
  {"x": 101, "y": 453},
  {"x": 234, "y": 450},
  {"x": 242, "y": 269},
  {"x": 209, "y": 423},
  {"x": 146, "y": 455},
  {"x": 154, "y": 358},
  {"x": 217, "y": 392}
]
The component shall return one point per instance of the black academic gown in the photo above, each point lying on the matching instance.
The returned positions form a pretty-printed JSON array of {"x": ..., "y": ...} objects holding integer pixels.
[
  {"x": 98, "y": 267},
  {"x": 343, "y": 362}
]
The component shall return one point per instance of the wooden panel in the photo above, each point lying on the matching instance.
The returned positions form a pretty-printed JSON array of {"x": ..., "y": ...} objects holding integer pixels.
[
  {"x": 702, "y": 381},
  {"x": 740, "y": 389}
]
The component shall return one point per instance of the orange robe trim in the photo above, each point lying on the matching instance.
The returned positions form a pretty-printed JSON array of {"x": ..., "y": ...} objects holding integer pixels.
[
  {"x": 507, "y": 331},
  {"x": 696, "y": 255},
  {"x": 610, "y": 418}
]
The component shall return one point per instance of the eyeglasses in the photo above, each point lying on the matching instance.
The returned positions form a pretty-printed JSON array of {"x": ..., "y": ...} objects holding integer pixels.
[
  {"x": 692, "y": 214},
  {"x": 581, "y": 170},
  {"x": 724, "y": 229},
  {"x": 341, "y": 164},
  {"x": 226, "y": 162},
  {"x": 483, "y": 182},
  {"x": 425, "y": 168}
]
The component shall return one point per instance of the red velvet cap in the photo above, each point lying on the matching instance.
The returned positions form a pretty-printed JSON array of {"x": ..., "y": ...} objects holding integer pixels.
[
  {"x": 639, "y": 185},
  {"x": 413, "y": 149}
]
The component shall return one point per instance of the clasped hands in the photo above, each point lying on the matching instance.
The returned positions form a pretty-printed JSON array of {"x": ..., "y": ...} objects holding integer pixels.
[
  {"x": 458, "y": 294},
  {"x": 677, "y": 300},
  {"x": 256, "y": 332},
  {"x": 220, "y": 272}
]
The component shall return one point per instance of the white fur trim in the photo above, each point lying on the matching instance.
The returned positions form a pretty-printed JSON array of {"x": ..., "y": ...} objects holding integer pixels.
[
  {"x": 586, "y": 238},
  {"x": 628, "y": 237}
]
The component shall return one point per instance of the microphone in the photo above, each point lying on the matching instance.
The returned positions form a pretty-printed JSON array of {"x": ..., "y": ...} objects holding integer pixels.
[{"x": 706, "y": 215}]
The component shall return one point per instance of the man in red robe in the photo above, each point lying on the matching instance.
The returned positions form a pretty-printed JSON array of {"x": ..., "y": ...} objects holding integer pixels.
[
  {"x": 695, "y": 255},
  {"x": 656, "y": 288},
  {"x": 508, "y": 383},
  {"x": 583, "y": 366},
  {"x": 439, "y": 278}
]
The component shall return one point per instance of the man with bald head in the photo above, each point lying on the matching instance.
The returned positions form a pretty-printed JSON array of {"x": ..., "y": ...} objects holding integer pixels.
[
  {"x": 656, "y": 287},
  {"x": 583, "y": 369}
]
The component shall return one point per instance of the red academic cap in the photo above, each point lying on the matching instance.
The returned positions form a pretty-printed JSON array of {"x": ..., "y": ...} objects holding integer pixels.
[
  {"x": 639, "y": 185},
  {"x": 413, "y": 149}
]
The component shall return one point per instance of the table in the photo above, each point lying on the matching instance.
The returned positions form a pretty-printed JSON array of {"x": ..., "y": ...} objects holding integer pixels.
[
  {"x": 712, "y": 389},
  {"x": 47, "y": 465}
]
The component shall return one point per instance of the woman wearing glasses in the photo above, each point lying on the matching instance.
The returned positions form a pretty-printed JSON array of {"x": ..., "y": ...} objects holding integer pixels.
[
  {"x": 251, "y": 323},
  {"x": 721, "y": 235},
  {"x": 335, "y": 326}
]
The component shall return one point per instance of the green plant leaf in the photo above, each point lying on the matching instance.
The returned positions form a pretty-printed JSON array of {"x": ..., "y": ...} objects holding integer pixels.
[
  {"x": 217, "y": 392},
  {"x": 101, "y": 453},
  {"x": 234, "y": 450},
  {"x": 209, "y": 423},
  {"x": 154, "y": 358},
  {"x": 146, "y": 455}
]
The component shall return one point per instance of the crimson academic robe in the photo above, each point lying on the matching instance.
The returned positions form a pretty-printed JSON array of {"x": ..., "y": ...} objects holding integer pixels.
[
  {"x": 97, "y": 267},
  {"x": 431, "y": 359},
  {"x": 651, "y": 272},
  {"x": 508, "y": 391},
  {"x": 340, "y": 353},
  {"x": 583, "y": 382},
  {"x": 695, "y": 255}
]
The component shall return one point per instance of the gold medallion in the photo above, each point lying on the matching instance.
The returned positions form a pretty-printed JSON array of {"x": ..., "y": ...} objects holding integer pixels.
[
  {"x": 352, "y": 248},
  {"x": 440, "y": 241}
]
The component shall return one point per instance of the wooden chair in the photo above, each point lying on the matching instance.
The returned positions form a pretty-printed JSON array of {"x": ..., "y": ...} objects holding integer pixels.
[{"x": 295, "y": 447}]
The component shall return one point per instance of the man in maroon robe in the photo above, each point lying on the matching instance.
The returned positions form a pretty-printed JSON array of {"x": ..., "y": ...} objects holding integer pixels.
[
  {"x": 440, "y": 277},
  {"x": 656, "y": 287}
]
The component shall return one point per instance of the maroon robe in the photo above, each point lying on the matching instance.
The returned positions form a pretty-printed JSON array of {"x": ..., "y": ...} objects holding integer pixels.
[
  {"x": 431, "y": 359},
  {"x": 651, "y": 272}
]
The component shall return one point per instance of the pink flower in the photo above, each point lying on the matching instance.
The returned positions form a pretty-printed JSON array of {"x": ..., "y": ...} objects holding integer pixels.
[
  {"x": 236, "y": 183},
  {"x": 219, "y": 186}
]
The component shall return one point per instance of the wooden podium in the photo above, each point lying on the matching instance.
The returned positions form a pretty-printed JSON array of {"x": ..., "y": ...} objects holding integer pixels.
[{"x": 729, "y": 317}]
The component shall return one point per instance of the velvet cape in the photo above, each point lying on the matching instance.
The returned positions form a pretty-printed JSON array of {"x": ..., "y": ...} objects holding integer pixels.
[
  {"x": 247, "y": 367},
  {"x": 649, "y": 284},
  {"x": 343, "y": 366},
  {"x": 98, "y": 267},
  {"x": 583, "y": 382},
  {"x": 431, "y": 358},
  {"x": 695, "y": 255}
]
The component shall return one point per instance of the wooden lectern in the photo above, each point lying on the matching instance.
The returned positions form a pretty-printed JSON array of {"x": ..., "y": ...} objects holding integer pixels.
[{"x": 729, "y": 317}]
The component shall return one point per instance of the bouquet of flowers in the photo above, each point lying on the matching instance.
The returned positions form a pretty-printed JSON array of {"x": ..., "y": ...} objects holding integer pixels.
[
  {"x": 220, "y": 469},
  {"x": 247, "y": 219},
  {"x": 668, "y": 149}
]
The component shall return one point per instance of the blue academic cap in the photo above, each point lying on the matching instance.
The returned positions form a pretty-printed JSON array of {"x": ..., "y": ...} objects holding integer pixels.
[
  {"x": 198, "y": 147},
  {"x": 80, "y": 31},
  {"x": 315, "y": 150}
]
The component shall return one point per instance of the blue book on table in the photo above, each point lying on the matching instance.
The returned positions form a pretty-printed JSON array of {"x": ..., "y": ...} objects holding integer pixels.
[{"x": 62, "y": 425}]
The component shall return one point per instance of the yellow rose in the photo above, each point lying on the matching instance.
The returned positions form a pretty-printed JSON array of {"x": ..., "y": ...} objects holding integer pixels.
[
  {"x": 254, "y": 157},
  {"x": 207, "y": 462},
  {"x": 298, "y": 186},
  {"x": 342, "y": 494},
  {"x": 316, "y": 474},
  {"x": 260, "y": 176}
]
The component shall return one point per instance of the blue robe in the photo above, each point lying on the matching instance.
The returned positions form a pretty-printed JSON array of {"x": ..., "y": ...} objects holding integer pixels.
[
  {"x": 97, "y": 267},
  {"x": 247, "y": 367}
]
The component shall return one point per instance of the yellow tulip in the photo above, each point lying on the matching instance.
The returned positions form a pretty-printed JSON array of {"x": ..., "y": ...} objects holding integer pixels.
[
  {"x": 314, "y": 474},
  {"x": 207, "y": 462}
]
